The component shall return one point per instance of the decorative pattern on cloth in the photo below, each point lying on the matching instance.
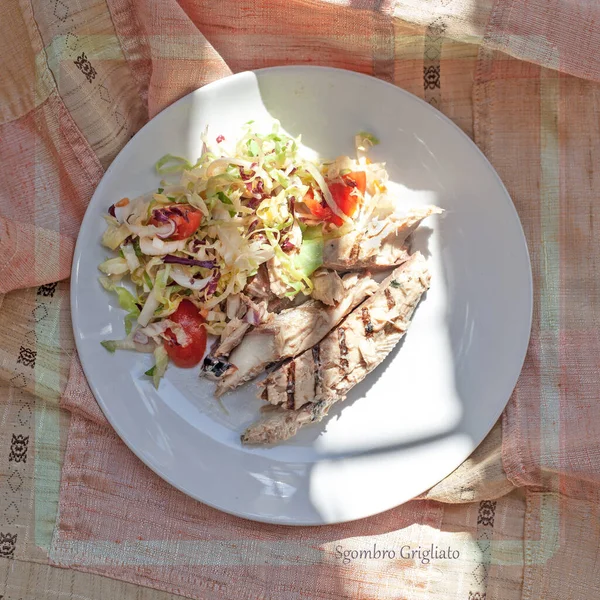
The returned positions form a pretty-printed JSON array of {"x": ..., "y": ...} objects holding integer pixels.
[
  {"x": 553, "y": 415},
  {"x": 35, "y": 324},
  {"x": 36, "y": 581},
  {"x": 92, "y": 75},
  {"x": 431, "y": 61},
  {"x": 166, "y": 540}
]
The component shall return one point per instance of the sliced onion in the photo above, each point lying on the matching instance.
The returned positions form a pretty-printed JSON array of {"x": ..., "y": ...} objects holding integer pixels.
[
  {"x": 136, "y": 208},
  {"x": 122, "y": 212},
  {"x": 140, "y": 337},
  {"x": 157, "y": 243},
  {"x": 147, "y": 246},
  {"x": 158, "y": 329},
  {"x": 169, "y": 230},
  {"x": 179, "y": 276},
  {"x": 335, "y": 209},
  {"x": 252, "y": 317}
]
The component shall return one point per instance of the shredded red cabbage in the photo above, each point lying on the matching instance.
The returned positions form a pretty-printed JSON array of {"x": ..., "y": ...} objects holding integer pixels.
[
  {"x": 254, "y": 202},
  {"x": 165, "y": 214},
  {"x": 197, "y": 244},
  {"x": 190, "y": 262},
  {"x": 287, "y": 245},
  {"x": 211, "y": 288},
  {"x": 111, "y": 211},
  {"x": 160, "y": 216}
]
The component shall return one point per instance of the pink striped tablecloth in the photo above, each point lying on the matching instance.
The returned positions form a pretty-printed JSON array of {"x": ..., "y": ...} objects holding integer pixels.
[{"x": 78, "y": 80}]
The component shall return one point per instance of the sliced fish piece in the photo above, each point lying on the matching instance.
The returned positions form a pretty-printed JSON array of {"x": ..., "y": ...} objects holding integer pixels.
[
  {"x": 292, "y": 331},
  {"x": 232, "y": 336},
  {"x": 380, "y": 245},
  {"x": 259, "y": 286},
  {"x": 306, "y": 386},
  {"x": 276, "y": 281},
  {"x": 280, "y": 424},
  {"x": 328, "y": 287},
  {"x": 276, "y": 305}
]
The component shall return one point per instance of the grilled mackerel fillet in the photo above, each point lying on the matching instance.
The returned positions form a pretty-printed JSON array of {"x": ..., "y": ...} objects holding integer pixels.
[
  {"x": 305, "y": 387},
  {"x": 292, "y": 331},
  {"x": 381, "y": 245}
]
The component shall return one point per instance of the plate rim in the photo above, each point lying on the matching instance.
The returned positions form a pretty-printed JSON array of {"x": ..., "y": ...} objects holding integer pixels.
[{"x": 80, "y": 246}]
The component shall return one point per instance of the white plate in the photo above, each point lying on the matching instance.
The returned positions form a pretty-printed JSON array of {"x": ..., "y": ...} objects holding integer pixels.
[{"x": 422, "y": 412}]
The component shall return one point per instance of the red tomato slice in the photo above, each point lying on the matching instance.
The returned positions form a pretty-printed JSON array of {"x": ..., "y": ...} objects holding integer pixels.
[
  {"x": 342, "y": 195},
  {"x": 188, "y": 316},
  {"x": 186, "y": 218},
  {"x": 342, "y": 192},
  {"x": 320, "y": 211}
]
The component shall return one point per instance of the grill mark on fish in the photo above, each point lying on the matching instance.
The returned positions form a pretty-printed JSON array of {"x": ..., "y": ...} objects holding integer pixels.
[
  {"x": 355, "y": 249},
  {"x": 366, "y": 319},
  {"x": 291, "y": 332},
  {"x": 341, "y": 367},
  {"x": 316, "y": 354},
  {"x": 390, "y": 299},
  {"x": 265, "y": 395},
  {"x": 343, "y": 349},
  {"x": 290, "y": 388}
]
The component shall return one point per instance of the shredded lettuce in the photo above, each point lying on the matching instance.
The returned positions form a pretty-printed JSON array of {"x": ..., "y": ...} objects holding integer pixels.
[
  {"x": 161, "y": 361},
  {"x": 170, "y": 163},
  {"x": 127, "y": 344},
  {"x": 310, "y": 257},
  {"x": 127, "y": 301},
  {"x": 110, "y": 345},
  {"x": 254, "y": 199},
  {"x": 114, "y": 266},
  {"x": 160, "y": 284},
  {"x": 115, "y": 235},
  {"x": 275, "y": 212},
  {"x": 364, "y": 135}
]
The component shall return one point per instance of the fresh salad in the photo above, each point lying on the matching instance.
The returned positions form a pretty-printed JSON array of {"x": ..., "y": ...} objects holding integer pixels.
[{"x": 192, "y": 247}]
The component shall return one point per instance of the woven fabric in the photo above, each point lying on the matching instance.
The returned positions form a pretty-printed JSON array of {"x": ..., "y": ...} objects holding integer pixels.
[{"x": 79, "y": 79}]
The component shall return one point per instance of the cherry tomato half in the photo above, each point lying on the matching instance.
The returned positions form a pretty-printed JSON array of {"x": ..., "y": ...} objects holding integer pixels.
[
  {"x": 342, "y": 195},
  {"x": 188, "y": 316},
  {"x": 319, "y": 210},
  {"x": 186, "y": 218},
  {"x": 342, "y": 192}
]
